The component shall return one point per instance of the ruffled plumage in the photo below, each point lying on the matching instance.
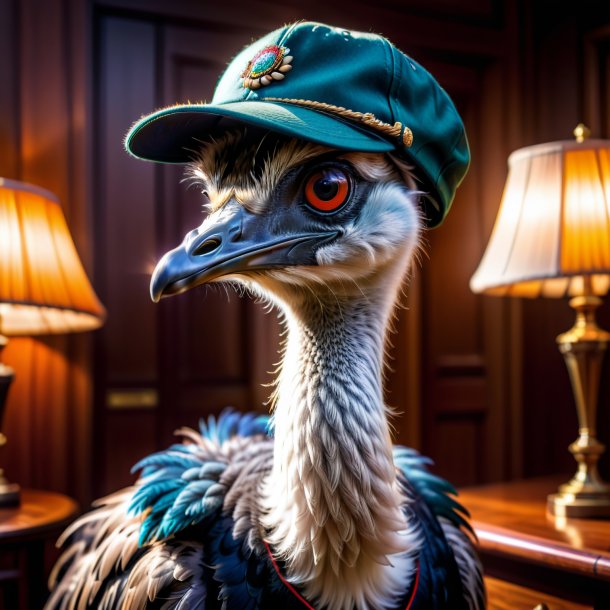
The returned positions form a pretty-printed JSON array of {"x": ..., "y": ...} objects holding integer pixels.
[{"x": 186, "y": 536}]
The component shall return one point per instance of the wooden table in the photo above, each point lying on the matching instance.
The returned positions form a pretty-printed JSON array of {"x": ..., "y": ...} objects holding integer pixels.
[
  {"x": 24, "y": 532},
  {"x": 531, "y": 557}
]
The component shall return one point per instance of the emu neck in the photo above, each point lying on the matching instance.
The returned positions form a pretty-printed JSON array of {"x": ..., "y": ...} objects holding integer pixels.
[{"x": 335, "y": 508}]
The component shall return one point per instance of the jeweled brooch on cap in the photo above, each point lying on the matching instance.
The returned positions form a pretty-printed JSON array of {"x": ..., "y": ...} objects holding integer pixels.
[{"x": 269, "y": 64}]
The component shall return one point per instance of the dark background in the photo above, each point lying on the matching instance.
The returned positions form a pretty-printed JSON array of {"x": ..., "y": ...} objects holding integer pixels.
[{"x": 478, "y": 381}]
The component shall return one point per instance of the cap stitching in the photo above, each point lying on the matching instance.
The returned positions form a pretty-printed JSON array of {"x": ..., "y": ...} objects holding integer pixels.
[{"x": 398, "y": 130}]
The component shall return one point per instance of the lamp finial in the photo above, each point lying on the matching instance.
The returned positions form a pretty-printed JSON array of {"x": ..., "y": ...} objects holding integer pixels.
[{"x": 581, "y": 132}]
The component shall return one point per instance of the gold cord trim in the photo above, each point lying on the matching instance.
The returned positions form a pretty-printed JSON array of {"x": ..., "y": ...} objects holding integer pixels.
[{"x": 368, "y": 118}]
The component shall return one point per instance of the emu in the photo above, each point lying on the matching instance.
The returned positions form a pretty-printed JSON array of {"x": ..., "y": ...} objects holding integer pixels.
[{"x": 314, "y": 506}]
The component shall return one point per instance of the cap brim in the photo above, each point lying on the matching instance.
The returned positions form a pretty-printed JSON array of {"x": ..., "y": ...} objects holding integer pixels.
[{"x": 174, "y": 134}]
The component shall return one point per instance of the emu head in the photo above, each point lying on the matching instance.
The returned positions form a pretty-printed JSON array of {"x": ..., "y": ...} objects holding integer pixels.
[{"x": 289, "y": 217}]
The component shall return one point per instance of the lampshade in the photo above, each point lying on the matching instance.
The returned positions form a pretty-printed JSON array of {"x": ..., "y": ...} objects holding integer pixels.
[
  {"x": 43, "y": 286},
  {"x": 553, "y": 226}
]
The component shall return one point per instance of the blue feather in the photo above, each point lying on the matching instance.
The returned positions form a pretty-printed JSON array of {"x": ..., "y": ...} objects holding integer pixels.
[
  {"x": 170, "y": 458},
  {"x": 434, "y": 490},
  {"x": 231, "y": 423},
  {"x": 201, "y": 507},
  {"x": 189, "y": 508},
  {"x": 149, "y": 527},
  {"x": 147, "y": 494},
  {"x": 179, "y": 488},
  {"x": 241, "y": 576},
  {"x": 209, "y": 470}
]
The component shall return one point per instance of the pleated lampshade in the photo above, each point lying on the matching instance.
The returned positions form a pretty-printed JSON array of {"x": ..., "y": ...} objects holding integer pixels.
[
  {"x": 43, "y": 286},
  {"x": 553, "y": 226}
]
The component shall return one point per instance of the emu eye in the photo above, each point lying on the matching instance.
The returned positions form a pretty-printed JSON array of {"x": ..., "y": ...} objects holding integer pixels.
[{"x": 327, "y": 190}]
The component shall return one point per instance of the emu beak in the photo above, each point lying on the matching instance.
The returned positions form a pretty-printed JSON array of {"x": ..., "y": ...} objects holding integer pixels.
[{"x": 239, "y": 242}]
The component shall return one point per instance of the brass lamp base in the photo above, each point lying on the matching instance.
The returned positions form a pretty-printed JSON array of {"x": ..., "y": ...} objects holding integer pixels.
[
  {"x": 586, "y": 495},
  {"x": 9, "y": 492},
  {"x": 581, "y": 506}
]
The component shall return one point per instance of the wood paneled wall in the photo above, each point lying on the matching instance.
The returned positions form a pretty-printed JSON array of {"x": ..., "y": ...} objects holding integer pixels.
[{"x": 477, "y": 380}]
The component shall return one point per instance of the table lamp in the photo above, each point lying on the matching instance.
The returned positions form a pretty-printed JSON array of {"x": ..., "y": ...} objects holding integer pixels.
[
  {"x": 43, "y": 286},
  {"x": 552, "y": 238}
]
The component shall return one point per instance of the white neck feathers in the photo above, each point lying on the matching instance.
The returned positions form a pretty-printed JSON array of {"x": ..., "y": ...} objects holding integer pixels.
[{"x": 334, "y": 509}]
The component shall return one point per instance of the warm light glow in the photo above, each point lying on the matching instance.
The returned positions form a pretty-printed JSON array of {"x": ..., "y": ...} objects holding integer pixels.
[
  {"x": 43, "y": 286},
  {"x": 553, "y": 226}
]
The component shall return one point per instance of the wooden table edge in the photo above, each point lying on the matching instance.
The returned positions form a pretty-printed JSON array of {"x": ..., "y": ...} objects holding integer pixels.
[
  {"x": 62, "y": 514},
  {"x": 533, "y": 549}
]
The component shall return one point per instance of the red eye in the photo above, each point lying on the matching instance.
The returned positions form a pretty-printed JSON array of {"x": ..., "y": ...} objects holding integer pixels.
[{"x": 327, "y": 190}]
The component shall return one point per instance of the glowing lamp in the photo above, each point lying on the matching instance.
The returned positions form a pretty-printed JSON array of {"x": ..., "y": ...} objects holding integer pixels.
[
  {"x": 552, "y": 238},
  {"x": 43, "y": 286}
]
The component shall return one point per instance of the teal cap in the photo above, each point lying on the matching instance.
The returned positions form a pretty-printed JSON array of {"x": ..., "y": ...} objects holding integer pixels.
[{"x": 344, "y": 89}]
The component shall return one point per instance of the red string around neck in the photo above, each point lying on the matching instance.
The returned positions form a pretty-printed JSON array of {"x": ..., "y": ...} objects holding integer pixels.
[
  {"x": 304, "y": 601},
  {"x": 290, "y": 587}
]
